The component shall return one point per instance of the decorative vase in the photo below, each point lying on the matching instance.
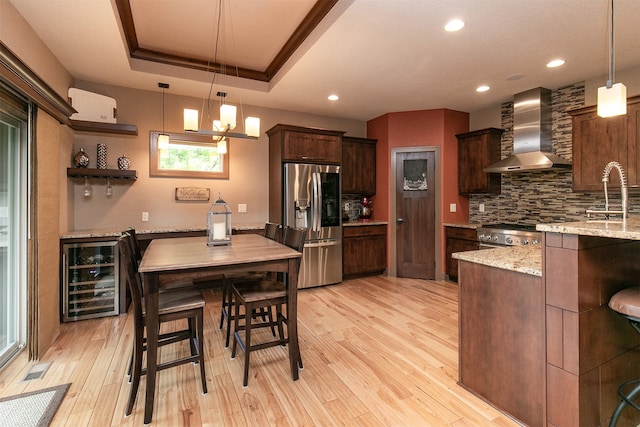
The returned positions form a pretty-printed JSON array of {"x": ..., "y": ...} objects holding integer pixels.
[
  {"x": 124, "y": 163},
  {"x": 81, "y": 159},
  {"x": 101, "y": 162}
]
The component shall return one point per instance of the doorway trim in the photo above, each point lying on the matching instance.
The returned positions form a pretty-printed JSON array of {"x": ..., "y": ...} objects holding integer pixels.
[{"x": 392, "y": 235}]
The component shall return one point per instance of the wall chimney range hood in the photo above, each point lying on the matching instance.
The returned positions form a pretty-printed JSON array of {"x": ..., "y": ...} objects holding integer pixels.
[{"x": 531, "y": 135}]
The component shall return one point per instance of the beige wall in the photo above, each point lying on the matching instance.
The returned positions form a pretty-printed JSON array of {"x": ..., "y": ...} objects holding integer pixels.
[
  {"x": 249, "y": 168},
  {"x": 16, "y": 34}
]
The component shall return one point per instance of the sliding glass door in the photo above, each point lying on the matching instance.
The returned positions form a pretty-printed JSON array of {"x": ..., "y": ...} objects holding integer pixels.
[{"x": 13, "y": 224}]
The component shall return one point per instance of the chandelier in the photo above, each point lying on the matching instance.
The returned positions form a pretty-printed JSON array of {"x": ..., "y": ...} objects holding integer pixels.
[{"x": 221, "y": 128}]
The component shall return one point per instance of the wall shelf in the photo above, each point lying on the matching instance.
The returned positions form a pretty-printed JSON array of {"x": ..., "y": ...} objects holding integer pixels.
[
  {"x": 102, "y": 173},
  {"x": 114, "y": 128}
]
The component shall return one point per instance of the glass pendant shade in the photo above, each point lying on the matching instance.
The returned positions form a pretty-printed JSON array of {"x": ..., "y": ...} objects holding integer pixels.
[
  {"x": 163, "y": 141},
  {"x": 190, "y": 120},
  {"x": 612, "y": 101},
  {"x": 252, "y": 126},
  {"x": 228, "y": 116},
  {"x": 222, "y": 146}
]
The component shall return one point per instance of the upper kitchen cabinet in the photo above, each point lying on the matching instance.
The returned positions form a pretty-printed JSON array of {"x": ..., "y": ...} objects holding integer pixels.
[
  {"x": 305, "y": 145},
  {"x": 358, "y": 166},
  {"x": 598, "y": 140},
  {"x": 477, "y": 150}
]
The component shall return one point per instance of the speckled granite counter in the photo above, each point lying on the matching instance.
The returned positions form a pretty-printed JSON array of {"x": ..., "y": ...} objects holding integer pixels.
[
  {"x": 523, "y": 259},
  {"x": 157, "y": 230},
  {"x": 361, "y": 222},
  {"x": 462, "y": 225},
  {"x": 616, "y": 229}
]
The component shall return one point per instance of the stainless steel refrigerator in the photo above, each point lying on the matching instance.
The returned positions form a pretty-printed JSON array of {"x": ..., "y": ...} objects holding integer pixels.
[{"x": 312, "y": 200}]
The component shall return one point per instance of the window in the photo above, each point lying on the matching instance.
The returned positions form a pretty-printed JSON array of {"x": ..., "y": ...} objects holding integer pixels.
[{"x": 188, "y": 156}]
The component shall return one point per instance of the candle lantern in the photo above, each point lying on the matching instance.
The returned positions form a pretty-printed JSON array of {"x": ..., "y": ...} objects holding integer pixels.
[{"x": 219, "y": 223}]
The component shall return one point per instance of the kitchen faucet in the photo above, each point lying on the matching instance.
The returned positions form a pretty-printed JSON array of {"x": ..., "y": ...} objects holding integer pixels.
[{"x": 624, "y": 209}]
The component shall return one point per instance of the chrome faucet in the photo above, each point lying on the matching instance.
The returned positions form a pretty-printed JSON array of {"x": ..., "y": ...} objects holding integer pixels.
[{"x": 624, "y": 208}]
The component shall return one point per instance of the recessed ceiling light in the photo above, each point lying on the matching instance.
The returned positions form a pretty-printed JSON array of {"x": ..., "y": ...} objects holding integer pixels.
[
  {"x": 482, "y": 88},
  {"x": 555, "y": 63},
  {"x": 333, "y": 97},
  {"x": 454, "y": 25}
]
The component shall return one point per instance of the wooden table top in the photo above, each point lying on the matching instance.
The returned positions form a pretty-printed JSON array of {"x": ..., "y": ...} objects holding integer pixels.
[{"x": 192, "y": 252}]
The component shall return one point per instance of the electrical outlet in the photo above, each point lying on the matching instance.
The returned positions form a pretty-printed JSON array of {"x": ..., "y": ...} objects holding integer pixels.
[
  {"x": 452, "y": 207},
  {"x": 481, "y": 207},
  {"x": 242, "y": 207},
  {"x": 145, "y": 216}
]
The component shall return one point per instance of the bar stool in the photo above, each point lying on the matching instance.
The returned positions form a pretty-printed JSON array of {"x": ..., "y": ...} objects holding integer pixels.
[
  {"x": 254, "y": 295},
  {"x": 627, "y": 303},
  {"x": 272, "y": 231}
]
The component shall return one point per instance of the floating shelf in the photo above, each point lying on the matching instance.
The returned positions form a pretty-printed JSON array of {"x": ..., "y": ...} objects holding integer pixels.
[
  {"x": 102, "y": 173},
  {"x": 115, "y": 128}
]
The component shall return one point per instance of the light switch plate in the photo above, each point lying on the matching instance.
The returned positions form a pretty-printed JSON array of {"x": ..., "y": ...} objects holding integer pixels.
[
  {"x": 145, "y": 216},
  {"x": 452, "y": 207},
  {"x": 481, "y": 207},
  {"x": 242, "y": 207}
]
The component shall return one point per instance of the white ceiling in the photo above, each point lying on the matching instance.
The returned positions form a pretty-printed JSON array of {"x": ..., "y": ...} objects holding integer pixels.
[{"x": 379, "y": 56}]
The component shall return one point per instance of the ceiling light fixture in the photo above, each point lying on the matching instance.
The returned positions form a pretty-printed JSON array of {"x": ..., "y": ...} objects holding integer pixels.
[
  {"x": 555, "y": 63},
  {"x": 482, "y": 88},
  {"x": 454, "y": 25},
  {"x": 612, "y": 98},
  {"x": 163, "y": 138},
  {"x": 333, "y": 97},
  {"x": 221, "y": 128}
]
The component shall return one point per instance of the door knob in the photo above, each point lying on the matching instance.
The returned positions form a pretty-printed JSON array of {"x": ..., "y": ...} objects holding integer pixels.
[{"x": 400, "y": 220}]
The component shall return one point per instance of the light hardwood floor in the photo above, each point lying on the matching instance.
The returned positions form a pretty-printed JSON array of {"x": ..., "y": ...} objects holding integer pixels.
[{"x": 376, "y": 351}]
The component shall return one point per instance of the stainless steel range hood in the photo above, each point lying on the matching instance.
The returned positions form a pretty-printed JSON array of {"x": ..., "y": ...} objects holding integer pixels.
[{"x": 531, "y": 135}]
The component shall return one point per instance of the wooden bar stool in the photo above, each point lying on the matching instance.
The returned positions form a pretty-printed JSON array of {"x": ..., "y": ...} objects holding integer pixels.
[
  {"x": 272, "y": 231},
  {"x": 627, "y": 303},
  {"x": 268, "y": 294},
  {"x": 175, "y": 305}
]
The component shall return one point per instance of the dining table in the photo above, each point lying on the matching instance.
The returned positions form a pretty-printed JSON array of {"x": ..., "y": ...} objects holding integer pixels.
[{"x": 169, "y": 259}]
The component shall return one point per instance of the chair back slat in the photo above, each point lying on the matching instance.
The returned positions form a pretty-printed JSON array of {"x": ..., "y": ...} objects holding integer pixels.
[
  {"x": 135, "y": 245},
  {"x": 134, "y": 283},
  {"x": 294, "y": 238},
  {"x": 273, "y": 231}
]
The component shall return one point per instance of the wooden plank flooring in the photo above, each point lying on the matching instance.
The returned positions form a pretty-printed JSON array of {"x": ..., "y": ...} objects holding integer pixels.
[{"x": 377, "y": 351}]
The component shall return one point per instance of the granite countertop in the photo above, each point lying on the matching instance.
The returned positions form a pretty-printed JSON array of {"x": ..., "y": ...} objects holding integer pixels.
[
  {"x": 462, "y": 225},
  {"x": 628, "y": 228},
  {"x": 523, "y": 259},
  {"x": 171, "y": 229},
  {"x": 363, "y": 222}
]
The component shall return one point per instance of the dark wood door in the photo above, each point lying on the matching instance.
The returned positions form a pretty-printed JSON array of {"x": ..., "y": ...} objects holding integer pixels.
[{"x": 415, "y": 213}]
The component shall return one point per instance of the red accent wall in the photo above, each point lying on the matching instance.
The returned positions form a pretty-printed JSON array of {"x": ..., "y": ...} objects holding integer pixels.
[{"x": 419, "y": 129}]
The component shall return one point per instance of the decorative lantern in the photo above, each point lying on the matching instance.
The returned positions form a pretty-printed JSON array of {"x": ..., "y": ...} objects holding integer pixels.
[{"x": 219, "y": 223}]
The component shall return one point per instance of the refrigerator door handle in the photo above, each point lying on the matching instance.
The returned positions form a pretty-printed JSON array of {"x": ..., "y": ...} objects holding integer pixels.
[
  {"x": 317, "y": 199},
  {"x": 323, "y": 243}
]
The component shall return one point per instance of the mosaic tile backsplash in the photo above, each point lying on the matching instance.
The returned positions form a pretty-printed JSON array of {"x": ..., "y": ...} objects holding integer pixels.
[{"x": 543, "y": 196}]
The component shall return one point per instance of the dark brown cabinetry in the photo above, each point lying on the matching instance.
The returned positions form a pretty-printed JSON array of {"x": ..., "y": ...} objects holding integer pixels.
[
  {"x": 502, "y": 341},
  {"x": 598, "y": 140},
  {"x": 358, "y": 166},
  {"x": 364, "y": 250},
  {"x": 306, "y": 145},
  {"x": 477, "y": 150},
  {"x": 458, "y": 239}
]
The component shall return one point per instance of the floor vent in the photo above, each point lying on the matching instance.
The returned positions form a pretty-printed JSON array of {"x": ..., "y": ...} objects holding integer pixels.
[{"x": 37, "y": 371}]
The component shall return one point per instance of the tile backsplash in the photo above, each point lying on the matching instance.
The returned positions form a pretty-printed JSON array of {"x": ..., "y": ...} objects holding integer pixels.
[{"x": 544, "y": 196}]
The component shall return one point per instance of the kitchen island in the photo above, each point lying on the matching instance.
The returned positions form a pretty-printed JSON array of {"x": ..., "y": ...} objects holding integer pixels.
[{"x": 554, "y": 306}]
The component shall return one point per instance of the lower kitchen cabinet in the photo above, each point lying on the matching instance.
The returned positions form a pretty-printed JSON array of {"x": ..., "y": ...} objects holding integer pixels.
[
  {"x": 458, "y": 239},
  {"x": 364, "y": 250},
  {"x": 91, "y": 285}
]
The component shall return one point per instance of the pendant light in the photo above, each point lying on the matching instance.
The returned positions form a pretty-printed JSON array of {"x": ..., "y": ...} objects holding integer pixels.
[
  {"x": 163, "y": 138},
  {"x": 228, "y": 113},
  {"x": 612, "y": 98}
]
